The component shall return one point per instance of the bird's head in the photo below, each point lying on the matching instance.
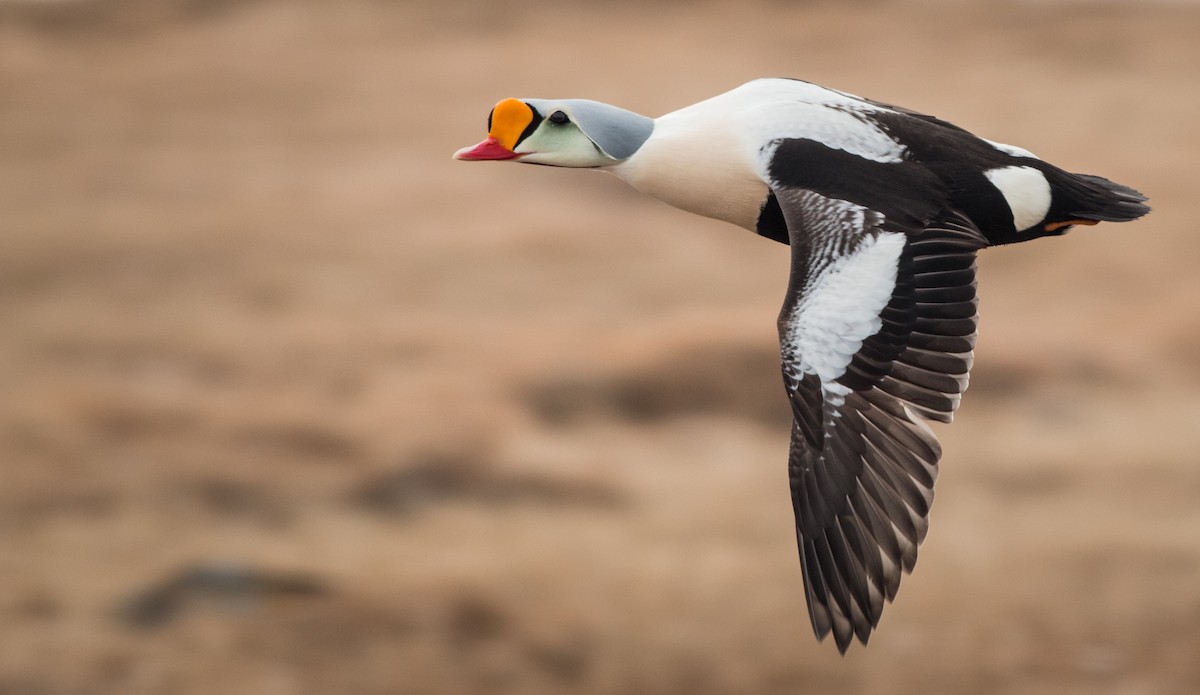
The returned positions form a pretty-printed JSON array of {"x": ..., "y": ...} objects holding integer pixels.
[{"x": 564, "y": 133}]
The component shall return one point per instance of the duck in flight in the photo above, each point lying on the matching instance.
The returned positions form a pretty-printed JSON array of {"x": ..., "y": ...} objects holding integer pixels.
[{"x": 884, "y": 210}]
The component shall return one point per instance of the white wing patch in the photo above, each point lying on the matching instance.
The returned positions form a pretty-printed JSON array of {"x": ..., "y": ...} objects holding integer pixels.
[
  {"x": 835, "y": 127},
  {"x": 797, "y": 109},
  {"x": 840, "y": 307},
  {"x": 1011, "y": 149},
  {"x": 1026, "y": 191}
]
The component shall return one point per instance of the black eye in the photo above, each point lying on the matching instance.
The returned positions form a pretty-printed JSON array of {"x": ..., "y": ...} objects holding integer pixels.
[{"x": 558, "y": 118}]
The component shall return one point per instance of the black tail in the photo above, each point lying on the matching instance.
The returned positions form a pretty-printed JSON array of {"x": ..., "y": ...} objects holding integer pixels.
[
  {"x": 1087, "y": 199},
  {"x": 1104, "y": 201}
]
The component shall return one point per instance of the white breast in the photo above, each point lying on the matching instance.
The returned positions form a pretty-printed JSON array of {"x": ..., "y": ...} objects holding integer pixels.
[
  {"x": 699, "y": 161},
  {"x": 711, "y": 158}
]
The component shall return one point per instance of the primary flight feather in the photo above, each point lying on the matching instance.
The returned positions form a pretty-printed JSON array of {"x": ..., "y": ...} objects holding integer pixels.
[{"x": 884, "y": 210}]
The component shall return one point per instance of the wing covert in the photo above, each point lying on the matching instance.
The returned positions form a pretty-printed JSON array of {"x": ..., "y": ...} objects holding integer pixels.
[{"x": 876, "y": 335}]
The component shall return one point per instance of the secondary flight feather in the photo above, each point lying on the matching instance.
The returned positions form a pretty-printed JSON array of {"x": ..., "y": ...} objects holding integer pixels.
[{"x": 884, "y": 210}]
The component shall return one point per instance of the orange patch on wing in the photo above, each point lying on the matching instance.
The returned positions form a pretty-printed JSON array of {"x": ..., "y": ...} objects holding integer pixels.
[
  {"x": 1058, "y": 225},
  {"x": 510, "y": 118}
]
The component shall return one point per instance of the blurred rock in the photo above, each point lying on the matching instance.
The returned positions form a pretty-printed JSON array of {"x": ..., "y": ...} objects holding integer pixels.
[
  {"x": 740, "y": 381},
  {"x": 439, "y": 479},
  {"x": 229, "y": 587}
]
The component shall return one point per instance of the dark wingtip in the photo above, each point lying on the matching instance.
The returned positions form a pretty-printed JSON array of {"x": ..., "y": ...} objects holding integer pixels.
[{"x": 843, "y": 642}]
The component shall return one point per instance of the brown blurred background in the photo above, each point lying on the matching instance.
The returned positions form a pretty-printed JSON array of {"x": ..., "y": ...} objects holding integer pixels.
[{"x": 293, "y": 403}]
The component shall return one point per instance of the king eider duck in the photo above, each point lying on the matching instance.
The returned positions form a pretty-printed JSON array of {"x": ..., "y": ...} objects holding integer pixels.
[{"x": 884, "y": 210}]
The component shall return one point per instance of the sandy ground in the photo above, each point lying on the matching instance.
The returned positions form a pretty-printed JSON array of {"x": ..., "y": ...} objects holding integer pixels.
[{"x": 295, "y": 404}]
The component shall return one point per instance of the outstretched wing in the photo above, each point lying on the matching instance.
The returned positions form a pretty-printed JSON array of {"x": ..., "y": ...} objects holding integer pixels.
[{"x": 876, "y": 334}]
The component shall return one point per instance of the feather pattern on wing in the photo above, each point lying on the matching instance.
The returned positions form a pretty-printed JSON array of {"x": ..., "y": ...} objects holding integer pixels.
[{"x": 876, "y": 334}]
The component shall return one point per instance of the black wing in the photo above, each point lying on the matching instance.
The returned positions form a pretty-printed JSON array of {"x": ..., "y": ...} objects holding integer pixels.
[{"x": 876, "y": 333}]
